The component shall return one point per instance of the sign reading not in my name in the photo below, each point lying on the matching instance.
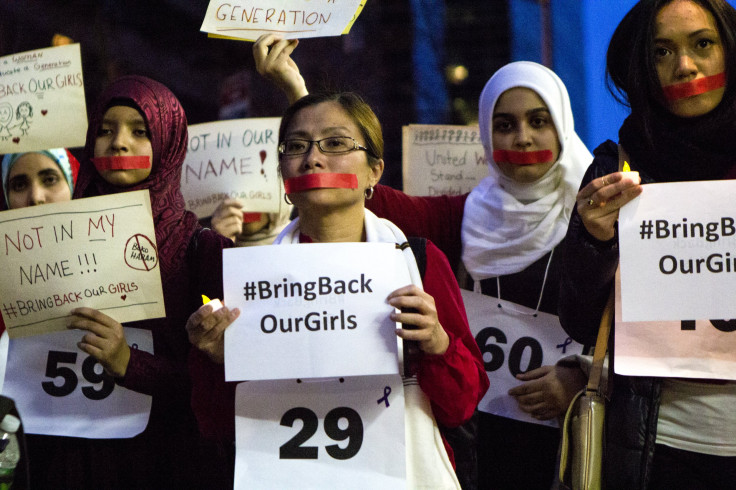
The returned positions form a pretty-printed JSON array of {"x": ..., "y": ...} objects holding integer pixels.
[{"x": 98, "y": 252}]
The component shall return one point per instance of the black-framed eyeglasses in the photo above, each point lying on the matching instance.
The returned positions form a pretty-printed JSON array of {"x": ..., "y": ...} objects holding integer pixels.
[{"x": 333, "y": 144}]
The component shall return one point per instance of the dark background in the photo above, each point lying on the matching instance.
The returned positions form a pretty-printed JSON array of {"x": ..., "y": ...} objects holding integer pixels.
[{"x": 161, "y": 39}]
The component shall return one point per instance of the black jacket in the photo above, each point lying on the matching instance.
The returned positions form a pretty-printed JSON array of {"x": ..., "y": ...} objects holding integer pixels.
[{"x": 589, "y": 266}]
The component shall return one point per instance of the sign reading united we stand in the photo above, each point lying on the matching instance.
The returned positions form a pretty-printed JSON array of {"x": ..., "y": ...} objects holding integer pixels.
[{"x": 442, "y": 160}]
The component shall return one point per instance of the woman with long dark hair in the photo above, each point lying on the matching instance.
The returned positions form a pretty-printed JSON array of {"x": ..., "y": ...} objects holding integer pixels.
[{"x": 672, "y": 61}]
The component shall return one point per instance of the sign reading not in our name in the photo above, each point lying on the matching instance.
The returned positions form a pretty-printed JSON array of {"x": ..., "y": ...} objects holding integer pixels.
[{"x": 233, "y": 159}]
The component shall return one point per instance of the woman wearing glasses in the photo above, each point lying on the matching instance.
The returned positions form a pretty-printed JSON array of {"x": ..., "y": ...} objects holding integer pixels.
[
  {"x": 324, "y": 135},
  {"x": 504, "y": 239}
]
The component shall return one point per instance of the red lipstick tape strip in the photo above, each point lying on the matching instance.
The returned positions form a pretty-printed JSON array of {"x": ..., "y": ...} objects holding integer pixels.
[
  {"x": 251, "y": 217},
  {"x": 523, "y": 157},
  {"x": 694, "y": 87},
  {"x": 320, "y": 181},
  {"x": 121, "y": 163}
]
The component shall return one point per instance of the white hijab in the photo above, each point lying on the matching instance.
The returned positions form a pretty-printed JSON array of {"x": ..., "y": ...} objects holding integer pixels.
[{"x": 507, "y": 225}]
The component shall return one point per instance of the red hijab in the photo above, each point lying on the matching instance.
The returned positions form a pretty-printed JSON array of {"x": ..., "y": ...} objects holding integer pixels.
[{"x": 167, "y": 125}]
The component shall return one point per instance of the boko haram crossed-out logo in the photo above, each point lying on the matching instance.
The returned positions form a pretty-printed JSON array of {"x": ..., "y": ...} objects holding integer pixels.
[{"x": 141, "y": 253}]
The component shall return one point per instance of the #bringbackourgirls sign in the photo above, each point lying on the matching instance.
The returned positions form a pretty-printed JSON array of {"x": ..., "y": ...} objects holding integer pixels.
[
  {"x": 678, "y": 252},
  {"x": 675, "y": 314},
  {"x": 312, "y": 310}
]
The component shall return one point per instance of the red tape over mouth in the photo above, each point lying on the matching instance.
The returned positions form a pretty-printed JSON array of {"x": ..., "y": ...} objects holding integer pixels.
[
  {"x": 694, "y": 87},
  {"x": 523, "y": 157},
  {"x": 321, "y": 181},
  {"x": 251, "y": 217},
  {"x": 121, "y": 163}
]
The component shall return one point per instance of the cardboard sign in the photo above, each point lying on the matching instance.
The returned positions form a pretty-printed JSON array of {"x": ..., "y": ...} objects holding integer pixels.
[
  {"x": 233, "y": 159},
  {"x": 677, "y": 245},
  {"x": 63, "y": 391},
  {"x": 441, "y": 160},
  {"x": 683, "y": 349},
  {"x": 42, "y": 100},
  {"x": 292, "y": 19},
  {"x": 312, "y": 310},
  {"x": 333, "y": 433},
  {"x": 98, "y": 252},
  {"x": 513, "y": 340}
]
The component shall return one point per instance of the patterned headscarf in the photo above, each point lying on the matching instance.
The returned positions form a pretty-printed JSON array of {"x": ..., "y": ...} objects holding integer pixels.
[
  {"x": 64, "y": 159},
  {"x": 167, "y": 126}
]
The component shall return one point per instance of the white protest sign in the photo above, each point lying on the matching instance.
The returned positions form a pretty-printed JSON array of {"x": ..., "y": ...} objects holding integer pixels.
[
  {"x": 440, "y": 160},
  {"x": 513, "y": 340},
  {"x": 233, "y": 159},
  {"x": 42, "y": 100},
  {"x": 677, "y": 246},
  {"x": 61, "y": 391},
  {"x": 291, "y": 19},
  {"x": 98, "y": 252},
  {"x": 346, "y": 433},
  {"x": 311, "y": 310},
  {"x": 680, "y": 348}
]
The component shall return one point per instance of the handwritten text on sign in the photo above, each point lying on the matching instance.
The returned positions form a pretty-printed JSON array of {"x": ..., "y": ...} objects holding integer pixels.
[
  {"x": 320, "y": 433},
  {"x": 63, "y": 391},
  {"x": 513, "y": 340},
  {"x": 442, "y": 159},
  {"x": 97, "y": 252},
  {"x": 42, "y": 100},
  {"x": 234, "y": 159},
  {"x": 678, "y": 252},
  {"x": 291, "y": 19},
  {"x": 312, "y": 310}
]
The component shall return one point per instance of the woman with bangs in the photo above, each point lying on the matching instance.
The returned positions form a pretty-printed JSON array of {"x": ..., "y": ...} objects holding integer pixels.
[{"x": 672, "y": 62}]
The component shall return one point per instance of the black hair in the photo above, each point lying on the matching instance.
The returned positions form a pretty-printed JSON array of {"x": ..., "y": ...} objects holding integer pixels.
[
  {"x": 631, "y": 74},
  {"x": 358, "y": 110},
  {"x": 24, "y": 104}
]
